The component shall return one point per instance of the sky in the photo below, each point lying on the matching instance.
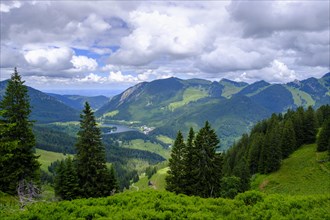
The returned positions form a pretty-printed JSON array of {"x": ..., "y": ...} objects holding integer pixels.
[{"x": 111, "y": 45}]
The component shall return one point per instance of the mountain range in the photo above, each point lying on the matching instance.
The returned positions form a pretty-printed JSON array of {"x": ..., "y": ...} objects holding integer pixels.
[
  {"x": 231, "y": 107},
  {"x": 173, "y": 104}
]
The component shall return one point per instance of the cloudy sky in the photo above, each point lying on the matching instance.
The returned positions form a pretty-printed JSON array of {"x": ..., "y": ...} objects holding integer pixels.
[{"x": 115, "y": 44}]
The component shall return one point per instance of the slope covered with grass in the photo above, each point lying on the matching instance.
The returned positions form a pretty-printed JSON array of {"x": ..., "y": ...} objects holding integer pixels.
[
  {"x": 305, "y": 172},
  {"x": 47, "y": 157}
]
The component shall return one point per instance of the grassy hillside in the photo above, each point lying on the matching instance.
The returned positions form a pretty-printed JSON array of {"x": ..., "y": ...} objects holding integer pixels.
[
  {"x": 189, "y": 95},
  {"x": 148, "y": 146},
  {"x": 300, "y": 174},
  {"x": 165, "y": 205},
  {"x": 47, "y": 157},
  {"x": 158, "y": 181}
]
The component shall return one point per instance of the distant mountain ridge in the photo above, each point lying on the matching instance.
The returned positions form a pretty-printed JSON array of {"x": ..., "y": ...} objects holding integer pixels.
[
  {"x": 232, "y": 107},
  {"x": 45, "y": 108}
]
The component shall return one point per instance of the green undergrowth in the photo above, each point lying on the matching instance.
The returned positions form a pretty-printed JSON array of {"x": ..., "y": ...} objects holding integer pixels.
[
  {"x": 305, "y": 172},
  {"x": 152, "y": 204}
]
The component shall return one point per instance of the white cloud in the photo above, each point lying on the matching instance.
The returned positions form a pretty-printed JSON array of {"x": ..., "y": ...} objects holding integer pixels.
[
  {"x": 119, "y": 77},
  {"x": 92, "y": 78},
  {"x": 6, "y": 6},
  {"x": 83, "y": 63},
  {"x": 233, "y": 54},
  {"x": 156, "y": 35},
  {"x": 276, "y": 72},
  {"x": 50, "y": 58}
]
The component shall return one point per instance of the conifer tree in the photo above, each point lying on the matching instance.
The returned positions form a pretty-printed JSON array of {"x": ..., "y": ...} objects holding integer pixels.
[
  {"x": 175, "y": 178},
  {"x": 70, "y": 185},
  {"x": 272, "y": 150},
  {"x": 298, "y": 123},
  {"x": 257, "y": 140},
  {"x": 288, "y": 142},
  {"x": 324, "y": 136},
  {"x": 310, "y": 126},
  {"x": 59, "y": 179},
  {"x": 20, "y": 161},
  {"x": 93, "y": 175},
  {"x": 189, "y": 165},
  {"x": 208, "y": 163}
]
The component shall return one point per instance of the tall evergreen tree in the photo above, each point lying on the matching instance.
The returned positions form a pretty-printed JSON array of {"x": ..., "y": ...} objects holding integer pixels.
[
  {"x": 310, "y": 126},
  {"x": 288, "y": 141},
  {"x": 298, "y": 123},
  {"x": 256, "y": 143},
  {"x": 208, "y": 163},
  {"x": 93, "y": 175},
  {"x": 323, "y": 140},
  {"x": 21, "y": 162},
  {"x": 189, "y": 165},
  {"x": 175, "y": 178},
  {"x": 272, "y": 150}
]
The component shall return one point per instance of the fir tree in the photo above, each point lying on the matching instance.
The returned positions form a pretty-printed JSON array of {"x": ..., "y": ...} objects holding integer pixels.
[
  {"x": 257, "y": 140},
  {"x": 59, "y": 179},
  {"x": 70, "y": 185},
  {"x": 208, "y": 163},
  {"x": 310, "y": 126},
  {"x": 93, "y": 175},
  {"x": 190, "y": 173},
  {"x": 324, "y": 136},
  {"x": 272, "y": 150},
  {"x": 288, "y": 142},
  {"x": 175, "y": 178},
  {"x": 20, "y": 161},
  {"x": 298, "y": 123}
]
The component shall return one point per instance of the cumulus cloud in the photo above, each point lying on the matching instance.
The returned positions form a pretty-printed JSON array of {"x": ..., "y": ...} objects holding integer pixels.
[
  {"x": 276, "y": 72},
  {"x": 50, "y": 58},
  {"x": 6, "y": 6},
  {"x": 156, "y": 35},
  {"x": 230, "y": 57},
  {"x": 83, "y": 63}
]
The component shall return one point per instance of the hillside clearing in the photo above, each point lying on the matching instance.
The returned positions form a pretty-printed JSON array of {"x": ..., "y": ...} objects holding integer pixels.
[{"x": 302, "y": 173}]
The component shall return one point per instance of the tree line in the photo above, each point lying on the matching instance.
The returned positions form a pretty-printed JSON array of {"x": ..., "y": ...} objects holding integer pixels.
[
  {"x": 274, "y": 139},
  {"x": 196, "y": 168}
]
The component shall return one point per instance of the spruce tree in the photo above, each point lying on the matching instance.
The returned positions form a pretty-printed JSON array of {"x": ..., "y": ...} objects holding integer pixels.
[
  {"x": 21, "y": 163},
  {"x": 93, "y": 175},
  {"x": 175, "y": 178},
  {"x": 256, "y": 143},
  {"x": 310, "y": 126},
  {"x": 272, "y": 150},
  {"x": 288, "y": 142},
  {"x": 298, "y": 124},
  {"x": 324, "y": 136},
  {"x": 208, "y": 163},
  {"x": 70, "y": 187},
  {"x": 190, "y": 170}
]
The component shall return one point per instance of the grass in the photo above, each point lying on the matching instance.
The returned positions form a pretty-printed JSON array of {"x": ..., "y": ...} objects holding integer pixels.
[
  {"x": 229, "y": 89},
  {"x": 189, "y": 95},
  {"x": 258, "y": 91},
  {"x": 158, "y": 181},
  {"x": 165, "y": 139},
  {"x": 301, "y": 98},
  {"x": 300, "y": 174},
  {"x": 47, "y": 157},
  {"x": 148, "y": 146},
  {"x": 111, "y": 114}
]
